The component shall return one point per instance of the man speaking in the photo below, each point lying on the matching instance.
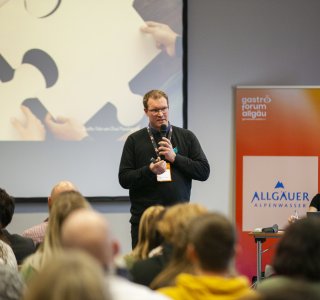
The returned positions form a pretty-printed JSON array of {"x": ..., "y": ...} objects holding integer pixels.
[{"x": 159, "y": 162}]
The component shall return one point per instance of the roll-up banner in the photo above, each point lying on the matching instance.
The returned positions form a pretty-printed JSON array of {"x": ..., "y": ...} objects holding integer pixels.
[{"x": 277, "y": 161}]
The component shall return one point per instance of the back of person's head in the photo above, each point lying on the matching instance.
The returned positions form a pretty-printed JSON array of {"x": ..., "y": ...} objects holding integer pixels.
[
  {"x": 70, "y": 275},
  {"x": 176, "y": 219},
  {"x": 173, "y": 227},
  {"x": 89, "y": 231},
  {"x": 293, "y": 290},
  {"x": 7, "y": 206},
  {"x": 147, "y": 239},
  {"x": 297, "y": 253},
  {"x": 211, "y": 242},
  {"x": 64, "y": 204},
  {"x": 60, "y": 187}
]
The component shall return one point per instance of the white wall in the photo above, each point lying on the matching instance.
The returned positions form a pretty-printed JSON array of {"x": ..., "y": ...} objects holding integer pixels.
[
  {"x": 28, "y": 215},
  {"x": 242, "y": 42}
]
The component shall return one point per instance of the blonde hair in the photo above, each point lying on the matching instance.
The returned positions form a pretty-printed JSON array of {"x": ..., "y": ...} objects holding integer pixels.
[
  {"x": 147, "y": 231},
  {"x": 176, "y": 219},
  {"x": 64, "y": 204},
  {"x": 173, "y": 226},
  {"x": 70, "y": 275}
]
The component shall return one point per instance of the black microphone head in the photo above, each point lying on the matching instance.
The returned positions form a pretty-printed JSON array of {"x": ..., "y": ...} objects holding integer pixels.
[
  {"x": 163, "y": 130},
  {"x": 275, "y": 228}
]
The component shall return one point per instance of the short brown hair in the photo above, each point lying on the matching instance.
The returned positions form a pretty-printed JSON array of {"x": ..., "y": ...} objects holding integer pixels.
[
  {"x": 213, "y": 237},
  {"x": 154, "y": 94},
  {"x": 297, "y": 253}
]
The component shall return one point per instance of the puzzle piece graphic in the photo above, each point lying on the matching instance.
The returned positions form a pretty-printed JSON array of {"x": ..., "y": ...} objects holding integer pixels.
[
  {"x": 97, "y": 47},
  {"x": 6, "y": 71},
  {"x": 27, "y": 81},
  {"x": 23, "y": 83},
  {"x": 44, "y": 63},
  {"x": 41, "y": 9}
]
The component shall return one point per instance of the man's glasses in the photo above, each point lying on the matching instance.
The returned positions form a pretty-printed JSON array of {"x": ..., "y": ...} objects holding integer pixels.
[{"x": 159, "y": 110}]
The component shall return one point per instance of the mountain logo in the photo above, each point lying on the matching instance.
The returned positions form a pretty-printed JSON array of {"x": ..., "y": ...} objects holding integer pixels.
[{"x": 279, "y": 185}]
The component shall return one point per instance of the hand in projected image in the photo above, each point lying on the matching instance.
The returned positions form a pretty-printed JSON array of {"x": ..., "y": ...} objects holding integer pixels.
[
  {"x": 32, "y": 129},
  {"x": 66, "y": 129},
  {"x": 163, "y": 35}
]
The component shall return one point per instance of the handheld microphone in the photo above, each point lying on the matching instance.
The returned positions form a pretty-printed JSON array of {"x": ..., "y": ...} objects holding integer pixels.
[
  {"x": 163, "y": 133},
  {"x": 163, "y": 130}
]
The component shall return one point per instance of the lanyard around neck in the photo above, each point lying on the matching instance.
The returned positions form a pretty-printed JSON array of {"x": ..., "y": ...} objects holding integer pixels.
[{"x": 154, "y": 144}]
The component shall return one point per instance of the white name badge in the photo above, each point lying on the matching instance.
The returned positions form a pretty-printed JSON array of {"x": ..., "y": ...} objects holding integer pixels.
[{"x": 166, "y": 176}]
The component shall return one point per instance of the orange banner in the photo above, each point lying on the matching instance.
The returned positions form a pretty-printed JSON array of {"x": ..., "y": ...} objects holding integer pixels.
[{"x": 277, "y": 160}]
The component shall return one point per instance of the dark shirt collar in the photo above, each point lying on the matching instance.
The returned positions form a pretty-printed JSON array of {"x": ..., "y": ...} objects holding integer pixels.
[{"x": 156, "y": 131}]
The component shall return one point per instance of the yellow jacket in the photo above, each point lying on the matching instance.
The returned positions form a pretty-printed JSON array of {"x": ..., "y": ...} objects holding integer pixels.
[{"x": 191, "y": 287}]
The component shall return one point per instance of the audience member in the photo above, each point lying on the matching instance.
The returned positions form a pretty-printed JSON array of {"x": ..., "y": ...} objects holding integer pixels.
[
  {"x": 89, "y": 231},
  {"x": 37, "y": 232},
  {"x": 296, "y": 257},
  {"x": 62, "y": 206},
  {"x": 315, "y": 203},
  {"x": 21, "y": 246},
  {"x": 172, "y": 226},
  {"x": 313, "y": 207},
  {"x": 11, "y": 284},
  {"x": 7, "y": 256},
  {"x": 149, "y": 237},
  {"x": 211, "y": 243},
  {"x": 72, "y": 275},
  {"x": 297, "y": 291}
]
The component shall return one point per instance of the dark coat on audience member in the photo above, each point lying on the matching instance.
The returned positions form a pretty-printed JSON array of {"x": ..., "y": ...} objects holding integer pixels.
[
  {"x": 145, "y": 270},
  {"x": 21, "y": 246}
]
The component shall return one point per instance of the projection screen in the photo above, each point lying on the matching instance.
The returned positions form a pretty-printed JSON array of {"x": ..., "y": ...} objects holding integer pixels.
[{"x": 72, "y": 77}]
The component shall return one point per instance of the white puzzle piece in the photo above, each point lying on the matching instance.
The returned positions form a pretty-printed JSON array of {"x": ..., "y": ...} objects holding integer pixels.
[
  {"x": 97, "y": 46},
  {"x": 26, "y": 83}
]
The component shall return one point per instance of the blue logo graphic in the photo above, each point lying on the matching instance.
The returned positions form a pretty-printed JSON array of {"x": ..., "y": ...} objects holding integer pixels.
[
  {"x": 279, "y": 197},
  {"x": 279, "y": 185}
]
